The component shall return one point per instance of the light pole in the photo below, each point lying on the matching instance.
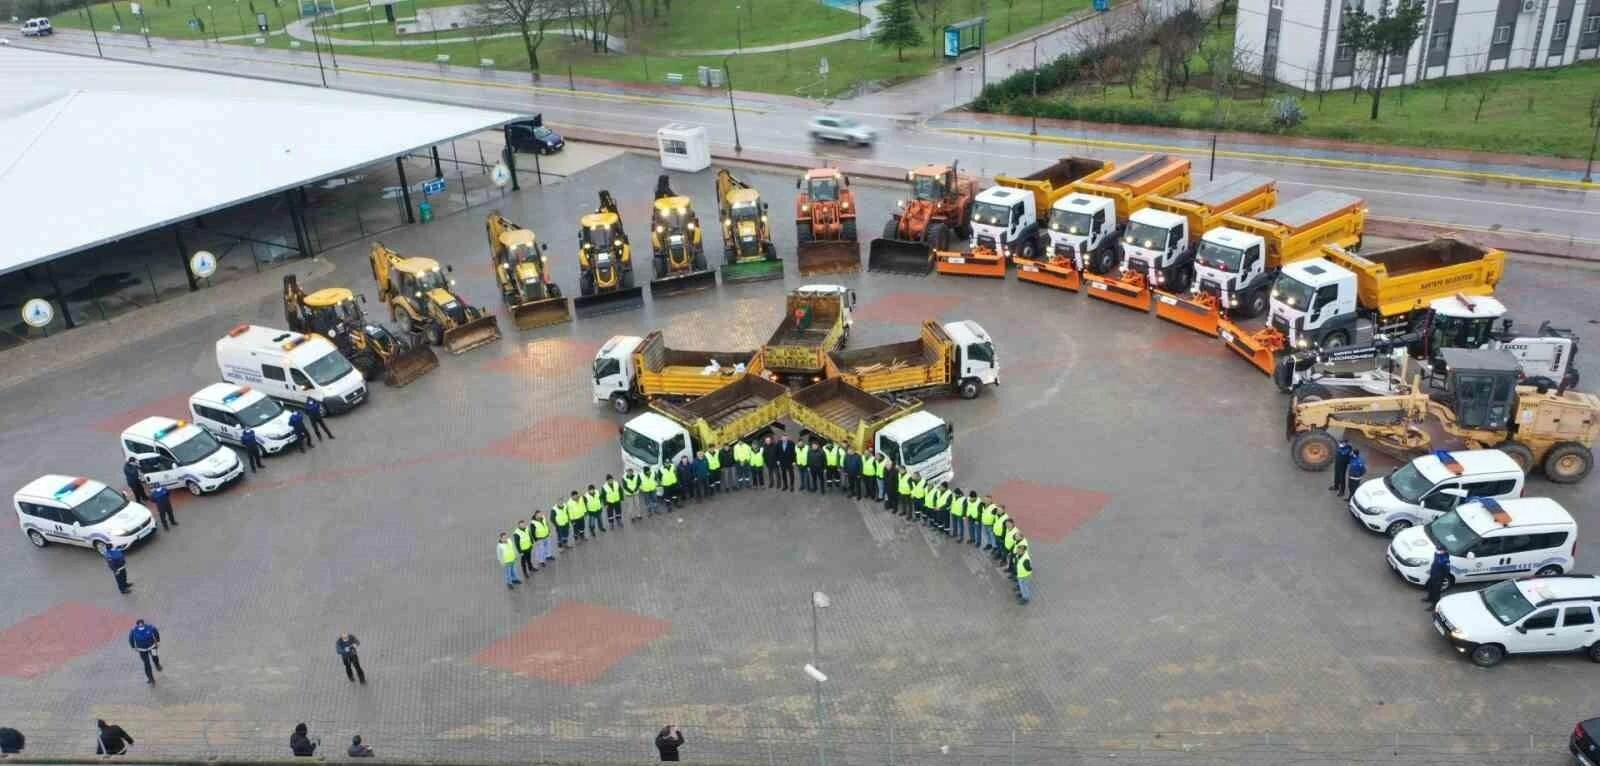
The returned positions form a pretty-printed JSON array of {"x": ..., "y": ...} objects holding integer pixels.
[
  {"x": 738, "y": 30},
  {"x": 861, "y": 21},
  {"x": 1588, "y": 170},
  {"x": 92, "y": 31},
  {"x": 822, "y": 726},
  {"x": 331, "y": 52},
  {"x": 727, "y": 74},
  {"x": 318, "y": 48},
  {"x": 1034, "y": 131}
]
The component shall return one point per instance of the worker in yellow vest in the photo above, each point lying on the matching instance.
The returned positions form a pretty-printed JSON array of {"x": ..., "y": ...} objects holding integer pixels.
[
  {"x": 630, "y": 492},
  {"x": 563, "y": 524},
  {"x": 919, "y": 491},
  {"x": 592, "y": 508},
  {"x": 1016, "y": 552},
  {"x": 941, "y": 507},
  {"x": 973, "y": 506},
  {"x": 1001, "y": 521},
  {"x": 714, "y": 466},
  {"x": 958, "y": 515},
  {"x": 669, "y": 486},
  {"x": 986, "y": 524},
  {"x": 611, "y": 494},
  {"x": 1009, "y": 541},
  {"x": 758, "y": 464},
  {"x": 1024, "y": 575},
  {"x": 650, "y": 490},
  {"x": 543, "y": 550},
  {"x": 741, "y": 465},
  {"x": 506, "y": 554},
  {"x": 523, "y": 537},
  {"x": 575, "y": 512},
  {"x": 902, "y": 495},
  {"x": 832, "y": 459},
  {"x": 802, "y": 460}
]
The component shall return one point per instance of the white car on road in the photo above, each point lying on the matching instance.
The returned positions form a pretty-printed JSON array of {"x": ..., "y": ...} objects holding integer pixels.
[{"x": 830, "y": 127}]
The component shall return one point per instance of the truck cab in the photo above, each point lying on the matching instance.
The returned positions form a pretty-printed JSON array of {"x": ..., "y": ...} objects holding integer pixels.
[
  {"x": 1232, "y": 265},
  {"x": 1005, "y": 221},
  {"x": 1156, "y": 245},
  {"x": 1314, "y": 304},
  {"x": 1083, "y": 228},
  {"x": 920, "y": 442},
  {"x": 975, "y": 361},
  {"x": 651, "y": 439},
  {"x": 614, "y": 372}
]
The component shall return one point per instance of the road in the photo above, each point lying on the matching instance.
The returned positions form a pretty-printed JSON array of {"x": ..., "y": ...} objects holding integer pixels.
[{"x": 1504, "y": 198}]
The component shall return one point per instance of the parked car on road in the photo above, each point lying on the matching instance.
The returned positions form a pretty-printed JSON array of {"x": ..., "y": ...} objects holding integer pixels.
[{"x": 533, "y": 136}]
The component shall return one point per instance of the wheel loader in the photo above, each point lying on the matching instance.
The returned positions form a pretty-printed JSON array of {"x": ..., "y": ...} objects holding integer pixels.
[
  {"x": 825, "y": 224},
  {"x": 605, "y": 263},
  {"x": 676, "y": 244},
  {"x": 523, "y": 272},
  {"x": 748, "y": 254},
  {"x": 375, "y": 350},
  {"x": 422, "y": 298},
  {"x": 939, "y": 211},
  {"x": 1472, "y": 402}
]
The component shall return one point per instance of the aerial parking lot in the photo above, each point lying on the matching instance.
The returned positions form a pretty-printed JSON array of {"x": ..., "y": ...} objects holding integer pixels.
[{"x": 1196, "y": 599}]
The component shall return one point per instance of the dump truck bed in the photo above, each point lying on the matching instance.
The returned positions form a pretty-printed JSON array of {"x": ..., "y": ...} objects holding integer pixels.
[
  {"x": 1204, "y": 206},
  {"x": 1408, "y": 278},
  {"x": 732, "y": 412},
  {"x": 1054, "y": 182},
  {"x": 1301, "y": 213},
  {"x": 1133, "y": 184},
  {"x": 665, "y": 371},
  {"x": 895, "y": 367},
  {"x": 843, "y": 413},
  {"x": 1298, "y": 228},
  {"x": 793, "y": 348}
]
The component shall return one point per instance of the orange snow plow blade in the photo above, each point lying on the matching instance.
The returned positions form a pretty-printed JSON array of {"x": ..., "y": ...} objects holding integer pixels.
[
  {"x": 1196, "y": 311},
  {"x": 1126, "y": 290},
  {"x": 1053, "y": 273},
  {"x": 1259, "y": 348},
  {"x": 981, "y": 262}
]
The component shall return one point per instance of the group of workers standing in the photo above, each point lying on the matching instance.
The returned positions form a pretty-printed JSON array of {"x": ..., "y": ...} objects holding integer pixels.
[{"x": 779, "y": 463}]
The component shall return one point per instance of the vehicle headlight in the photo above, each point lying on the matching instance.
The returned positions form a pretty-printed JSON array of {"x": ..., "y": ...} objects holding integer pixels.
[
  {"x": 1233, "y": 300},
  {"x": 1410, "y": 562},
  {"x": 1458, "y": 634},
  {"x": 845, "y": 205},
  {"x": 1160, "y": 278},
  {"x": 805, "y": 208}
]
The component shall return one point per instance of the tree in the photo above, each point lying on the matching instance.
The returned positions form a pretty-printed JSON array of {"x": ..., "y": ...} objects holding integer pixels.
[
  {"x": 1483, "y": 84},
  {"x": 530, "y": 17},
  {"x": 1390, "y": 32},
  {"x": 897, "y": 27}
]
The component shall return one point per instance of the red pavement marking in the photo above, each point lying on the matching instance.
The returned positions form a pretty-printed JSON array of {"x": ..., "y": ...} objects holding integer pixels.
[
  {"x": 175, "y": 406},
  {"x": 572, "y": 644},
  {"x": 1048, "y": 512},
  {"x": 906, "y": 308},
  {"x": 546, "y": 358},
  {"x": 555, "y": 439},
  {"x": 65, "y": 632}
]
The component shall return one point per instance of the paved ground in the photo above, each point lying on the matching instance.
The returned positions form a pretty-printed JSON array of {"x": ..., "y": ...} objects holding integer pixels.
[{"x": 1198, "y": 601}]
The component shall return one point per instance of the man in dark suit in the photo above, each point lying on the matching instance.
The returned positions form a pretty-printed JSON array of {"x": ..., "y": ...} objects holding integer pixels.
[
  {"x": 770, "y": 454},
  {"x": 786, "y": 462}
]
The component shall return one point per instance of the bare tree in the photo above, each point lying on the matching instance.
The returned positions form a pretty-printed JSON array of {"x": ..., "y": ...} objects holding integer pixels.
[
  {"x": 1482, "y": 83},
  {"x": 1176, "y": 38},
  {"x": 531, "y": 18},
  {"x": 1095, "y": 44},
  {"x": 1133, "y": 47}
]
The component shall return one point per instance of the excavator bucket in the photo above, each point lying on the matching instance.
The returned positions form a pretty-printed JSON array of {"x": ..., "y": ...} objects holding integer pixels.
[
  {"x": 470, "y": 335},
  {"x": 1259, "y": 348},
  {"x": 836, "y": 257},
  {"x": 754, "y": 269},
  {"x": 678, "y": 284},
  {"x": 608, "y": 302},
  {"x": 1126, "y": 290},
  {"x": 978, "y": 263},
  {"x": 1054, "y": 275},
  {"x": 410, "y": 364},
  {"x": 900, "y": 256},
  {"x": 1196, "y": 311},
  {"x": 540, "y": 313}
]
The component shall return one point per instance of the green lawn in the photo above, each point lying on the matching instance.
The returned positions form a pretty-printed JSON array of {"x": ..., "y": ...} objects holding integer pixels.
[{"x": 715, "y": 24}]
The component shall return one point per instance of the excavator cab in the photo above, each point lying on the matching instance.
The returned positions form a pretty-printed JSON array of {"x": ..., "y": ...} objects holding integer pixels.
[
  {"x": 932, "y": 183},
  {"x": 419, "y": 294},
  {"x": 820, "y": 188}
]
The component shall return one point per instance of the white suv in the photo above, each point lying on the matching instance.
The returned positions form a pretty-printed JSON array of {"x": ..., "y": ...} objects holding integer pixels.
[
  {"x": 37, "y": 28},
  {"x": 1538, "y": 615},
  {"x": 828, "y": 127}
]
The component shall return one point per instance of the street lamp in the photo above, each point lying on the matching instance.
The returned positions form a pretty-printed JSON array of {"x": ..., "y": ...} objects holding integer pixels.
[
  {"x": 738, "y": 30},
  {"x": 1034, "y": 131},
  {"x": 822, "y": 727},
  {"x": 96, "y": 33},
  {"x": 727, "y": 75},
  {"x": 1588, "y": 170},
  {"x": 315, "y": 46}
]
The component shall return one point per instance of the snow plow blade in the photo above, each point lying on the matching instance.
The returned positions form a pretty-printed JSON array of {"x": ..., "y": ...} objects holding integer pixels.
[
  {"x": 840, "y": 257},
  {"x": 1196, "y": 311},
  {"x": 1050, "y": 274},
  {"x": 608, "y": 302},
  {"x": 540, "y": 313},
  {"x": 667, "y": 287},
  {"x": 410, "y": 364},
  {"x": 466, "y": 337},
  {"x": 900, "y": 256},
  {"x": 1128, "y": 290},
  {"x": 978, "y": 263},
  {"x": 1259, "y": 348},
  {"x": 734, "y": 272}
]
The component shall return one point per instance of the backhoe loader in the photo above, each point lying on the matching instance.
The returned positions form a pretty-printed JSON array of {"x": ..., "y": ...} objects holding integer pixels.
[
  {"x": 940, "y": 210},
  {"x": 375, "y": 350},
  {"x": 825, "y": 224},
  {"x": 523, "y": 272},
  {"x": 675, "y": 241},
  {"x": 748, "y": 254},
  {"x": 1472, "y": 402},
  {"x": 421, "y": 296},
  {"x": 605, "y": 263}
]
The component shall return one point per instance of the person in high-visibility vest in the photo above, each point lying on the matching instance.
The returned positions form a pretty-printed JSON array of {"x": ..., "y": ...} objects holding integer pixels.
[
  {"x": 650, "y": 490},
  {"x": 832, "y": 458},
  {"x": 558, "y": 512},
  {"x": 919, "y": 490},
  {"x": 1024, "y": 575},
  {"x": 669, "y": 485},
  {"x": 543, "y": 550},
  {"x": 714, "y": 468},
  {"x": 506, "y": 554},
  {"x": 758, "y": 465},
  {"x": 630, "y": 492},
  {"x": 611, "y": 494},
  {"x": 592, "y": 508},
  {"x": 802, "y": 457},
  {"x": 1012, "y": 536},
  {"x": 998, "y": 533},
  {"x": 930, "y": 506},
  {"x": 986, "y": 524},
  {"x": 575, "y": 511},
  {"x": 973, "y": 506},
  {"x": 958, "y": 515},
  {"x": 741, "y": 464},
  {"x": 523, "y": 537},
  {"x": 1016, "y": 552},
  {"x": 902, "y": 496},
  {"x": 941, "y": 507}
]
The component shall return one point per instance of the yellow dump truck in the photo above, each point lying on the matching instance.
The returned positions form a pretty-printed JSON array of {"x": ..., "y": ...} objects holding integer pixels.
[
  {"x": 957, "y": 357},
  {"x": 743, "y": 408},
  {"x": 816, "y": 321},
  {"x": 629, "y": 369},
  {"x": 914, "y": 439},
  {"x": 1008, "y": 218}
]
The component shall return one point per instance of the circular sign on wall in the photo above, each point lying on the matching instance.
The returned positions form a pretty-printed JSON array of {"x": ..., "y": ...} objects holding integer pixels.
[
  {"x": 38, "y": 312},
  {"x": 500, "y": 174},
  {"x": 203, "y": 264}
]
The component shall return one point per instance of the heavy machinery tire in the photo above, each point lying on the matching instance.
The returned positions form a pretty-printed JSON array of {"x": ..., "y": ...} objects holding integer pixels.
[
  {"x": 1312, "y": 450},
  {"x": 969, "y": 388},
  {"x": 1180, "y": 281},
  {"x": 891, "y": 230},
  {"x": 1568, "y": 463},
  {"x": 802, "y": 232},
  {"x": 769, "y": 251},
  {"x": 1312, "y": 392},
  {"x": 586, "y": 284},
  {"x": 937, "y": 236},
  {"x": 1548, "y": 571},
  {"x": 627, "y": 280},
  {"x": 1540, "y": 382},
  {"x": 1255, "y": 304},
  {"x": 660, "y": 265},
  {"x": 965, "y": 229},
  {"x": 1488, "y": 655},
  {"x": 369, "y": 364},
  {"x": 1570, "y": 380},
  {"x": 1336, "y": 339},
  {"x": 436, "y": 334},
  {"x": 1519, "y": 453},
  {"x": 700, "y": 262},
  {"x": 847, "y": 229},
  {"x": 1103, "y": 260},
  {"x": 620, "y": 403}
]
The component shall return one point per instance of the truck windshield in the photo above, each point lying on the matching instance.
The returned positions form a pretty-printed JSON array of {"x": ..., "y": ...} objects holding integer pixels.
[
  {"x": 923, "y": 447},
  {"x": 194, "y": 449},
  {"x": 1146, "y": 235},
  {"x": 823, "y": 190},
  {"x": 1408, "y": 483},
  {"x": 1505, "y": 601},
  {"x": 263, "y": 410},
  {"x": 105, "y": 504},
  {"x": 641, "y": 447},
  {"x": 331, "y": 367},
  {"x": 1069, "y": 221},
  {"x": 1219, "y": 257},
  {"x": 992, "y": 214},
  {"x": 1294, "y": 293},
  {"x": 1450, "y": 531}
]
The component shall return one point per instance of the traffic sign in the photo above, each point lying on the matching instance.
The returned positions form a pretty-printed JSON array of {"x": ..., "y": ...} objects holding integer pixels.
[
  {"x": 433, "y": 186},
  {"x": 500, "y": 174},
  {"x": 203, "y": 264},
  {"x": 38, "y": 312}
]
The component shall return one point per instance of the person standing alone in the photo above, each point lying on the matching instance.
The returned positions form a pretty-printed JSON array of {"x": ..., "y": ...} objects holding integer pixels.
[
  {"x": 117, "y": 561},
  {"x": 145, "y": 640},
  {"x": 668, "y": 741},
  {"x": 315, "y": 415},
  {"x": 163, "y": 498},
  {"x": 345, "y": 646},
  {"x": 112, "y": 739}
]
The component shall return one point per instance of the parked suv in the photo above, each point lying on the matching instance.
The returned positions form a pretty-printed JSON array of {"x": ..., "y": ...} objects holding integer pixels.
[{"x": 1537, "y": 615}]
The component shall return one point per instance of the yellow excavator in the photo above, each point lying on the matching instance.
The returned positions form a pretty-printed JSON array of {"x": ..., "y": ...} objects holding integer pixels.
[
  {"x": 424, "y": 299},
  {"x": 748, "y": 254},
  {"x": 675, "y": 241},
  {"x": 375, "y": 350},
  {"x": 605, "y": 263},
  {"x": 524, "y": 275}
]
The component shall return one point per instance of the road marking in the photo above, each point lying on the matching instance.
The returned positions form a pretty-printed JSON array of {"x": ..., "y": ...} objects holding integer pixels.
[
  {"x": 1284, "y": 158},
  {"x": 1495, "y": 203}
]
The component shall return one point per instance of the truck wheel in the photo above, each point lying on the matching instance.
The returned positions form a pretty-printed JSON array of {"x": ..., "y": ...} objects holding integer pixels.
[
  {"x": 937, "y": 236},
  {"x": 1255, "y": 304},
  {"x": 1180, "y": 280},
  {"x": 620, "y": 403},
  {"x": 1103, "y": 260},
  {"x": 969, "y": 389},
  {"x": 369, "y": 364},
  {"x": 1519, "y": 454},
  {"x": 1312, "y": 392},
  {"x": 1488, "y": 655},
  {"x": 1029, "y": 250},
  {"x": 1568, "y": 463},
  {"x": 1336, "y": 339},
  {"x": 1312, "y": 450}
]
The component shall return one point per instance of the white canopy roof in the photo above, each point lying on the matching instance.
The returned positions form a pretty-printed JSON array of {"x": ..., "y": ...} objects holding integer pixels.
[{"x": 92, "y": 150}]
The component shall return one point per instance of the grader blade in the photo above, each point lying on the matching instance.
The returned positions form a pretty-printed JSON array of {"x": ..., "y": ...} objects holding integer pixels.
[{"x": 1259, "y": 348}]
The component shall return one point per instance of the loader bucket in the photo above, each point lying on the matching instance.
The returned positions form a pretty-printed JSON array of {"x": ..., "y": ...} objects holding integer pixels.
[
  {"x": 678, "y": 284},
  {"x": 1259, "y": 348},
  {"x": 608, "y": 302},
  {"x": 1127, "y": 290},
  {"x": 409, "y": 365},
  {"x": 540, "y": 313},
  {"x": 841, "y": 257},
  {"x": 1059, "y": 277},
  {"x": 900, "y": 256},
  {"x": 751, "y": 271},
  {"x": 1196, "y": 311},
  {"x": 973, "y": 264},
  {"x": 470, "y": 335}
]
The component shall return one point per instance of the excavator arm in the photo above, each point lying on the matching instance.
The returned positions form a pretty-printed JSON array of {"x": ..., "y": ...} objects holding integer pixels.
[
  {"x": 294, "y": 305},
  {"x": 383, "y": 259},
  {"x": 664, "y": 186}
]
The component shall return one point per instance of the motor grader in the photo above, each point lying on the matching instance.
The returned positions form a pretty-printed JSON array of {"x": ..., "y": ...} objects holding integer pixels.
[
  {"x": 825, "y": 224},
  {"x": 375, "y": 350},
  {"x": 1472, "y": 401},
  {"x": 523, "y": 272},
  {"x": 676, "y": 243},
  {"x": 424, "y": 299},
  {"x": 940, "y": 210},
  {"x": 748, "y": 254},
  {"x": 605, "y": 263}
]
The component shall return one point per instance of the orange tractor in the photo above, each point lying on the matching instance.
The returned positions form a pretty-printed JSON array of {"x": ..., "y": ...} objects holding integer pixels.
[
  {"x": 825, "y": 224},
  {"x": 940, "y": 209}
]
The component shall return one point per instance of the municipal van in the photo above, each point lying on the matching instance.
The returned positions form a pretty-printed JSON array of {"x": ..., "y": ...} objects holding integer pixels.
[
  {"x": 39, "y": 27},
  {"x": 290, "y": 366},
  {"x": 1432, "y": 485},
  {"x": 1534, "y": 615},
  {"x": 225, "y": 410},
  {"x": 172, "y": 453},
  {"x": 80, "y": 511},
  {"x": 1490, "y": 540}
]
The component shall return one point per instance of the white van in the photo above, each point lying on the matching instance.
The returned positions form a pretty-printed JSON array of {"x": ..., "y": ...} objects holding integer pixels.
[
  {"x": 289, "y": 366},
  {"x": 79, "y": 511},
  {"x": 39, "y": 27},
  {"x": 172, "y": 453},
  {"x": 1490, "y": 540},
  {"x": 225, "y": 410},
  {"x": 1432, "y": 485},
  {"x": 1536, "y": 615}
]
